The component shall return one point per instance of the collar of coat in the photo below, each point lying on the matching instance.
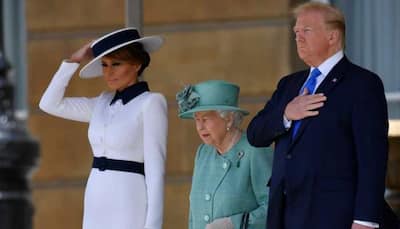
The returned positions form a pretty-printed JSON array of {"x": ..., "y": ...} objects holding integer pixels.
[{"x": 130, "y": 92}]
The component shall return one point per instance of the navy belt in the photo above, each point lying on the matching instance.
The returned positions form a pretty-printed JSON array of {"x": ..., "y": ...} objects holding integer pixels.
[{"x": 103, "y": 163}]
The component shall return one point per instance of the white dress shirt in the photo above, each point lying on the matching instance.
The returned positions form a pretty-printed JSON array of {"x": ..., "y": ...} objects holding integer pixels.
[{"x": 324, "y": 68}]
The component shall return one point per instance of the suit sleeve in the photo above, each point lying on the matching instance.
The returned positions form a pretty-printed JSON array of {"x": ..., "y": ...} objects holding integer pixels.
[
  {"x": 155, "y": 145},
  {"x": 370, "y": 132},
  {"x": 267, "y": 125}
]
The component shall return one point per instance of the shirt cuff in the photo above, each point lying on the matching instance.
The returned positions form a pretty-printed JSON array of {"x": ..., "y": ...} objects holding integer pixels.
[
  {"x": 286, "y": 123},
  {"x": 365, "y": 223}
]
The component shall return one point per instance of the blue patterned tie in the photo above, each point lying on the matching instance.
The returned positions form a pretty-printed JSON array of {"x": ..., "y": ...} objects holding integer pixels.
[{"x": 310, "y": 85}]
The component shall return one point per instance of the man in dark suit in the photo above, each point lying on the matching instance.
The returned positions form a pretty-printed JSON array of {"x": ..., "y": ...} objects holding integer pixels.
[{"x": 330, "y": 129}]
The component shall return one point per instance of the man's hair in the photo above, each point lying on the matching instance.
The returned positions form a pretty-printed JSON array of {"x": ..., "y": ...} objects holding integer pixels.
[{"x": 334, "y": 18}]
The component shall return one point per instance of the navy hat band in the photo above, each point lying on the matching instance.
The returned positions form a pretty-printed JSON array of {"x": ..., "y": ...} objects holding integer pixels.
[{"x": 114, "y": 40}]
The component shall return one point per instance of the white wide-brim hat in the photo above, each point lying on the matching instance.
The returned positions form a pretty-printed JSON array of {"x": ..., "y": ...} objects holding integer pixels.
[{"x": 113, "y": 41}]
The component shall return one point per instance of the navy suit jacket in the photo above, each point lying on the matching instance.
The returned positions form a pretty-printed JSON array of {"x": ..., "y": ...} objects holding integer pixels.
[{"x": 334, "y": 170}]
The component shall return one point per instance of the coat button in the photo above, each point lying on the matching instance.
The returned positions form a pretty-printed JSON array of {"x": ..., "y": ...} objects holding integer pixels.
[
  {"x": 225, "y": 165},
  {"x": 289, "y": 156},
  {"x": 206, "y": 218},
  {"x": 207, "y": 196}
]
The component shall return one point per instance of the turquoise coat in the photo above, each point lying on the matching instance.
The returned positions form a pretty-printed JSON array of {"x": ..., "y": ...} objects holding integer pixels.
[{"x": 230, "y": 185}]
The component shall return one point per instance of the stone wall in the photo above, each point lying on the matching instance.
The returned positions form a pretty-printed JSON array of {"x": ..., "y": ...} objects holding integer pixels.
[{"x": 246, "y": 42}]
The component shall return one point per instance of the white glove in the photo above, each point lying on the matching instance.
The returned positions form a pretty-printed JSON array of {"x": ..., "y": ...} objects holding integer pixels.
[{"x": 222, "y": 223}]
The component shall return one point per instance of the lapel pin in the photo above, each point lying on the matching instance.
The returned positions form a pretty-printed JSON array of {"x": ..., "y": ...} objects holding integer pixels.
[{"x": 334, "y": 80}]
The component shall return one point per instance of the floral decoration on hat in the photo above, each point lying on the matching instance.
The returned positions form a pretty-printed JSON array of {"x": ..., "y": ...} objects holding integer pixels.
[{"x": 187, "y": 98}]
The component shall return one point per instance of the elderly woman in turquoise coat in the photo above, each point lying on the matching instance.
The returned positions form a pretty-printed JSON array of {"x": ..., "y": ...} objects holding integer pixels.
[{"x": 230, "y": 176}]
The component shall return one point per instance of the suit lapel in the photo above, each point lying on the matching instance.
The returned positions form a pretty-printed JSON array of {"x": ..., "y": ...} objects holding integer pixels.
[{"x": 332, "y": 79}]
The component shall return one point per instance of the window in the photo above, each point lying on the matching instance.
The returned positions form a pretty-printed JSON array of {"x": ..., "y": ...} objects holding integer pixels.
[{"x": 373, "y": 41}]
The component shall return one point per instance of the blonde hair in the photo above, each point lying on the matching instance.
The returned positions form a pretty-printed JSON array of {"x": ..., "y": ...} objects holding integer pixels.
[{"x": 334, "y": 18}]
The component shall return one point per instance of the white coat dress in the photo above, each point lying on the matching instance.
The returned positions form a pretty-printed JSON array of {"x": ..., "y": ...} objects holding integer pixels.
[{"x": 136, "y": 131}]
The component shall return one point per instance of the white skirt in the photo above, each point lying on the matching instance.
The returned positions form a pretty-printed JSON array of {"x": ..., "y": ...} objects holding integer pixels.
[{"x": 115, "y": 200}]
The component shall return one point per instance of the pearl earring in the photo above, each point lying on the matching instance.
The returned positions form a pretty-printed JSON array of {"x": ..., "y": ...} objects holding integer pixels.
[{"x": 228, "y": 128}]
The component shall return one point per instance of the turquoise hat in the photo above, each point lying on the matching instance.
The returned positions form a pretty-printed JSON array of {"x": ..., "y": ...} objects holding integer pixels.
[{"x": 207, "y": 96}]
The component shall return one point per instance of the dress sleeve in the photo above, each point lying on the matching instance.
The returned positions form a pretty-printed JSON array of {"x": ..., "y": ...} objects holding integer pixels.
[
  {"x": 190, "y": 220},
  {"x": 261, "y": 161},
  {"x": 54, "y": 102},
  {"x": 155, "y": 141},
  {"x": 260, "y": 171}
]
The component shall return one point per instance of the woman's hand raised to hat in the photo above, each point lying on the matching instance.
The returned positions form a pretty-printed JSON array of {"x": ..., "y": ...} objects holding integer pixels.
[{"x": 83, "y": 54}]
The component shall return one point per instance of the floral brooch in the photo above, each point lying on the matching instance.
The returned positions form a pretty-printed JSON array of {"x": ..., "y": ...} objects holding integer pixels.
[{"x": 187, "y": 99}]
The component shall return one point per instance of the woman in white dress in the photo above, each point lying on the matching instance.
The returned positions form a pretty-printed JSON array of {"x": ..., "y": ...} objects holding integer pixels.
[{"x": 127, "y": 131}]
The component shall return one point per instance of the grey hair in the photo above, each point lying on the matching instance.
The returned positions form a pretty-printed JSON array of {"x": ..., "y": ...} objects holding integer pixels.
[{"x": 237, "y": 117}]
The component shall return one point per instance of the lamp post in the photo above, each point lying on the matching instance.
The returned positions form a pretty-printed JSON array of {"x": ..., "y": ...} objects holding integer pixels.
[
  {"x": 19, "y": 154},
  {"x": 18, "y": 157}
]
